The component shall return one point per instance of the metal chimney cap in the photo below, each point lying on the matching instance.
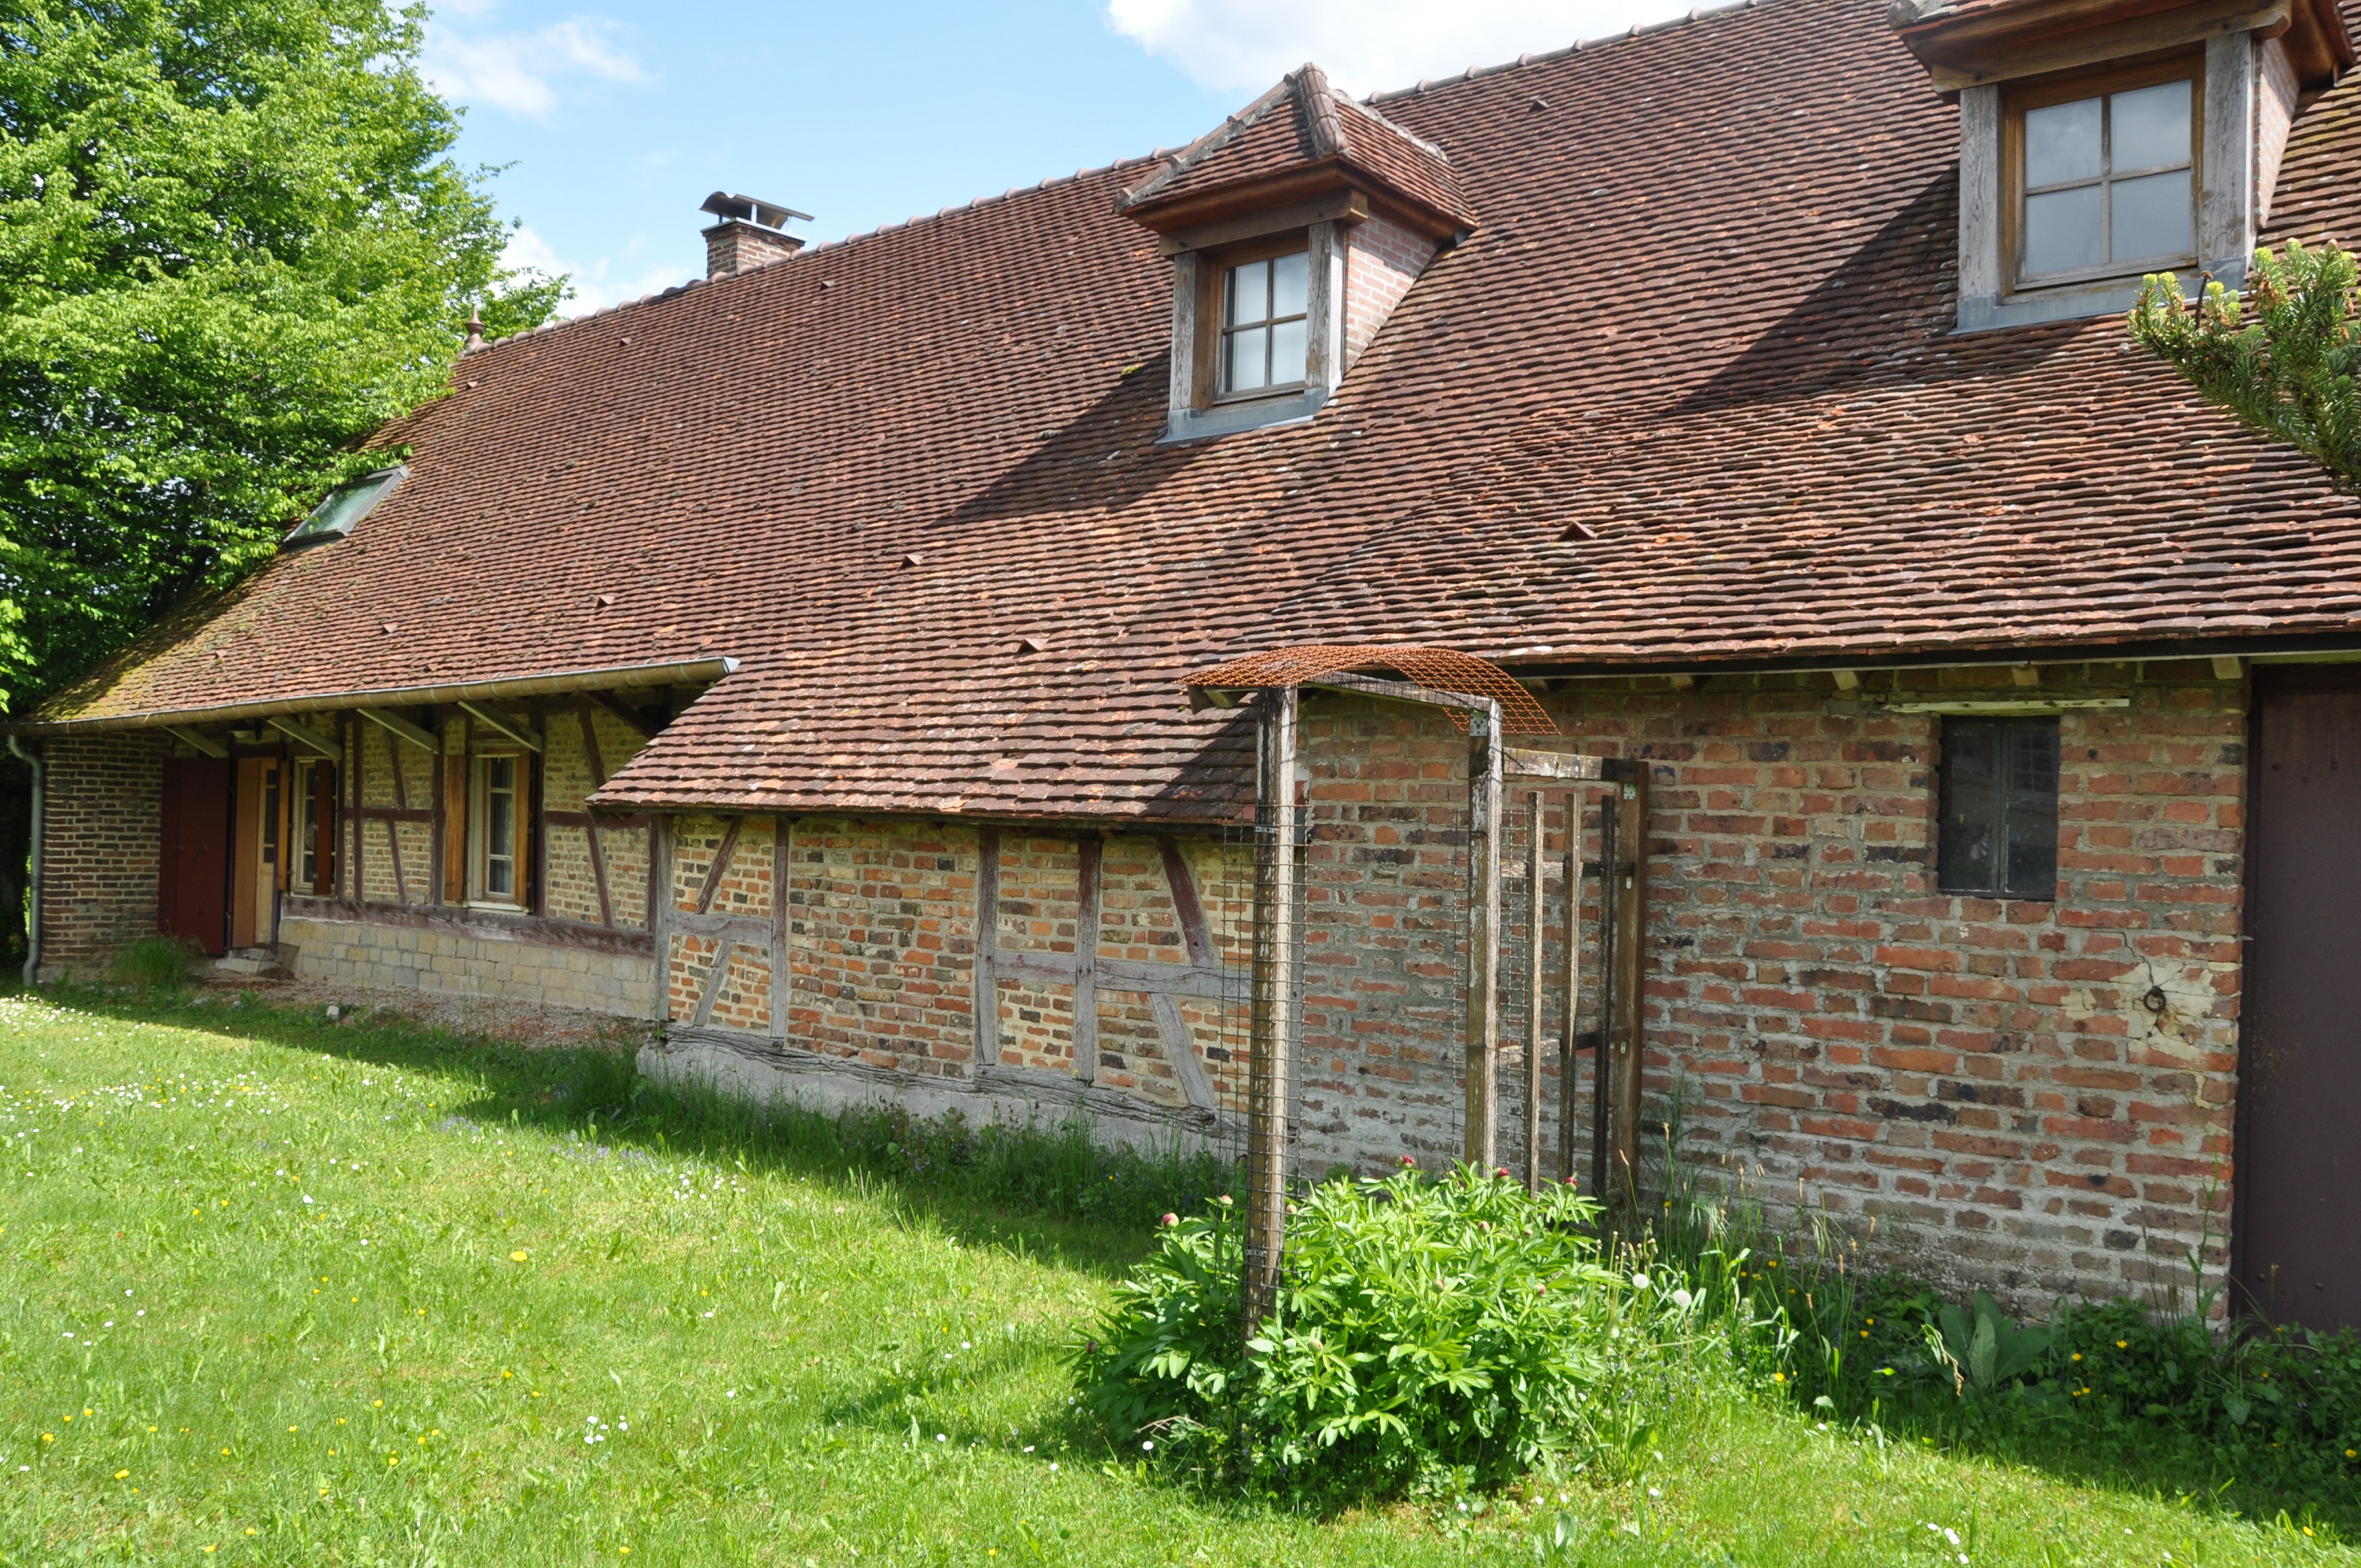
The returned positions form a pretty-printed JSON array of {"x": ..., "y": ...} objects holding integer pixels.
[{"x": 752, "y": 210}]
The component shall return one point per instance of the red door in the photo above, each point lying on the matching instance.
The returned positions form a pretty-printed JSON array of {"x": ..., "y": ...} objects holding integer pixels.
[{"x": 192, "y": 892}]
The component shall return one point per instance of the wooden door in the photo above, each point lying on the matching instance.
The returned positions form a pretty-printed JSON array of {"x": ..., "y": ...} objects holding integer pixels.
[
  {"x": 192, "y": 873},
  {"x": 256, "y": 874},
  {"x": 2297, "y": 1227}
]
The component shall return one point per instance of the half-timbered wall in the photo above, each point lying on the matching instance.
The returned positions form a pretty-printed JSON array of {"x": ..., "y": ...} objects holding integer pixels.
[
  {"x": 1043, "y": 972},
  {"x": 581, "y": 940}
]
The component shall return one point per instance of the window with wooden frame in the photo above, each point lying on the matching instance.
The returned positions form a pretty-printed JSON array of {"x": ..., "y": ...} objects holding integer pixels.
[
  {"x": 312, "y": 829},
  {"x": 499, "y": 813},
  {"x": 1998, "y": 833},
  {"x": 2102, "y": 173},
  {"x": 1263, "y": 321}
]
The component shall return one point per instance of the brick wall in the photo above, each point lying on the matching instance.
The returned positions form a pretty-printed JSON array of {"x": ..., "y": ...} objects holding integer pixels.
[
  {"x": 1985, "y": 1080},
  {"x": 103, "y": 815},
  {"x": 1382, "y": 260}
]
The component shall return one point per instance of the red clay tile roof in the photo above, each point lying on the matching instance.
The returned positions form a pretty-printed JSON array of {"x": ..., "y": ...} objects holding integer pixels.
[
  {"x": 1299, "y": 124},
  {"x": 1689, "y": 395}
]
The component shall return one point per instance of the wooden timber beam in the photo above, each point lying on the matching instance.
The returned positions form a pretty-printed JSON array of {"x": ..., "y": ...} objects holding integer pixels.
[
  {"x": 1523, "y": 762},
  {"x": 630, "y": 718},
  {"x": 1481, "y": 1128},
  {"x": 303, "y": 736},
  {"x": 499, "y": 725},
  {"x": 394, "y": 724},
  {"x": 204, "y": 744},
  {"x": 1402, "y": 691},
  {"x": 1271, "y": 1026}
]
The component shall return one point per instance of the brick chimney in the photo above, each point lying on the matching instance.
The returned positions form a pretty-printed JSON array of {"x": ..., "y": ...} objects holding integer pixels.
[{"x": 751, "y": 234}]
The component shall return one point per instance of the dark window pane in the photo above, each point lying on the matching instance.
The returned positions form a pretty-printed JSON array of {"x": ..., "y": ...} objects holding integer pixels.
[
  {"x": 1967, "y": 854},
  {"x": 1998, "y": 833},
  {"x": 2032, "y": 808}
]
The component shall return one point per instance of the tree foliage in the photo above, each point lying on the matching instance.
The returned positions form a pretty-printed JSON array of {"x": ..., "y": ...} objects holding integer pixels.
[
  {"x": 232, "y": 242},
  {"x": 2281, "y": 358}
]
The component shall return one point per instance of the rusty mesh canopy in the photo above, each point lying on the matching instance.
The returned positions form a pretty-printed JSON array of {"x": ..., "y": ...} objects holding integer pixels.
[{"x": 1445, "y": 669}]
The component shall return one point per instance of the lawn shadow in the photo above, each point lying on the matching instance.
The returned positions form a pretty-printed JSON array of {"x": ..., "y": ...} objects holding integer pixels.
[
  {"x": 2139, "y": 1459},
  {"x": 1004, "y": 1194}
]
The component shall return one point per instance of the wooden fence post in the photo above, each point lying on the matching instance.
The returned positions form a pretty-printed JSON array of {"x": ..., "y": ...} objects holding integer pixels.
[
  {"x": 1273, "y": 1019},
  {"x": 1630, "y": 870},
  {"x": 1567, "y": 1043},
  {"x": 1481, "y": 1134},
  {"x": 1533, "y": 991}
]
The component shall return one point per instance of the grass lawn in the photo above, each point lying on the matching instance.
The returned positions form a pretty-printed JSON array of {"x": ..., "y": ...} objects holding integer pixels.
[{"x": 273, "y": 1289}]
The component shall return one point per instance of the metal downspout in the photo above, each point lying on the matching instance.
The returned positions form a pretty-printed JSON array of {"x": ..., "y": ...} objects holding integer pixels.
[{"x": 33, "y": 877}]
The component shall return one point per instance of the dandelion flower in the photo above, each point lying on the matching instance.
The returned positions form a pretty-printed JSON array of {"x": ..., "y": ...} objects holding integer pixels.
[
  {"x": 123, "y": 1475},
  {"x": 1639, "y": 1282},
  {"x": 517, "y": 1256}
]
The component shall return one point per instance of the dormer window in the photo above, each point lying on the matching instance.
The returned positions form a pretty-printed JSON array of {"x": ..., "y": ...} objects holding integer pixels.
[
  {"x": 2106, "y": 181},
  {"x": 1265, "y": 306},
  {"x": 1294, "y": 231},
  {"x": 2099, "y": 144}
]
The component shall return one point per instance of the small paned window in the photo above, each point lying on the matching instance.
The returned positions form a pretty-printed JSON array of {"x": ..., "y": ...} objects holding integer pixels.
[
  {"x": 345, "y": 507},
  {"x": 2107, "y": 183},
  {"x": 312, "y": 812},
  {"x": 500, "y": 816},
  {"x": 1265, "y": 307},
  {"x": 1999, "y": 831}
]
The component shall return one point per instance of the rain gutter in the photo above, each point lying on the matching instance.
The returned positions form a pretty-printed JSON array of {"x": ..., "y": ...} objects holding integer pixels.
[
  {"x": 612, "y": 677},
  {"x": 33, "y": 875}
]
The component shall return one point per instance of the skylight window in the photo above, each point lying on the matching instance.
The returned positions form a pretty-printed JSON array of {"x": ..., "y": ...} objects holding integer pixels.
[{"x": 345, "y": 507}]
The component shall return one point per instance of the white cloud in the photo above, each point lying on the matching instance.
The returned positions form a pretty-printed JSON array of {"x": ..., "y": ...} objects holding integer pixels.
[
  {"x": 518, "y": 71},
  {"x": 1365, "y": 46},
  {"x": 597, "y": 284}
]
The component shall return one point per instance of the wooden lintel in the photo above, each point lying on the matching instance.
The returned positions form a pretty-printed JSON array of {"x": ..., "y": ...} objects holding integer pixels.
[
  {"x": 303, "y": 736},
  {"x": 1338, "y": 207},
  {"x": 1402, "y": 691},
  {"x": 1522, "y": 763},
  {"x": 204, "y": 744},
  {"x": 394, "y": 724},
  {"x": 499, "y": 725}
]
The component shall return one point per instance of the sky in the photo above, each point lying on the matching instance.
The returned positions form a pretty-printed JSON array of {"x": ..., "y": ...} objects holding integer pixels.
[{"x": 612, "y": 121}]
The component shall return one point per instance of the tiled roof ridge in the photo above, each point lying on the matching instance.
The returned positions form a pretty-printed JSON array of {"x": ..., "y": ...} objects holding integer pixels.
[
  {"x": 1234, "y": 126},
  {"x": 1416, "y": 140},
  {"x": 1173, "y": 160},
  {"x": 826, "y": 247},
  {"x": 1636, "y": 30}
]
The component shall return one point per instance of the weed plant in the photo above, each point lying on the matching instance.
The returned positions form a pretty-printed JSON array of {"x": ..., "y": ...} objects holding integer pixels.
[
  {"x": 2255, "y": 1416},
  {"x": 152, "y": 964},
  {"x": 1430, "y": 1336}
]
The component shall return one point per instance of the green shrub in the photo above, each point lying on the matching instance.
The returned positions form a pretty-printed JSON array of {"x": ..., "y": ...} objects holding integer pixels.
[
  {"x": 1429, "y": 1335},
  {"x": 152, "y": 963}
]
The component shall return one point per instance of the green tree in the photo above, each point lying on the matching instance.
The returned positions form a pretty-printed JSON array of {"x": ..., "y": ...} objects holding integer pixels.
[
  {"x": 2281, "y": 358},
  {"x": 232, "y": 242}
]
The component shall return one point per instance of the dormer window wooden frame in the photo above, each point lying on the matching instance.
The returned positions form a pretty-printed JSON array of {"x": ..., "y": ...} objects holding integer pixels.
[
  {"x": 1271, "y": 326},
  {"x": 2250, "y": 64},
  {"x": 2109, "y": 177},
  {"x": 1201, "y": 404}
]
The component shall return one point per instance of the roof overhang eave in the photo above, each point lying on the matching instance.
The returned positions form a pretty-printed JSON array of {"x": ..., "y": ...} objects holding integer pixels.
[{"x": 608, "y": 677}]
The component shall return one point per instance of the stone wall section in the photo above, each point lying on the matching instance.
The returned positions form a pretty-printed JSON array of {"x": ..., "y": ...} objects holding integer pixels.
[
  {"x": 383, "y": 955},
  {"x": 103, "y": 812}
]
